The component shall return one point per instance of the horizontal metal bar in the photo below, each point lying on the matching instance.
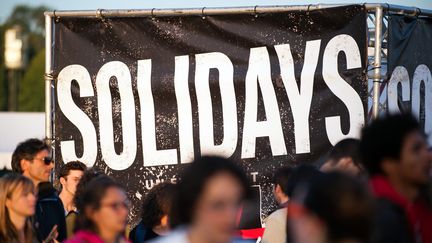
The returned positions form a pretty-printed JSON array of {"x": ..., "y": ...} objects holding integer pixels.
[
  {"x": 112, "y": 13},
  {"x": 397, "y": 9},
  {"x": 187, "y": 11}
]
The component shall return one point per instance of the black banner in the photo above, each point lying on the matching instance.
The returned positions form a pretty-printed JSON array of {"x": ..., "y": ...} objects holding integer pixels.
[
  {"x": 409, "y": 62},
  {"x": 140, "y": 97}
]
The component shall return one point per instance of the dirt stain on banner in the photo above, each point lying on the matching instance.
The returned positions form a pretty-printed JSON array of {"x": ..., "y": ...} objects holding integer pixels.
[{"x": 140, "y": 98}]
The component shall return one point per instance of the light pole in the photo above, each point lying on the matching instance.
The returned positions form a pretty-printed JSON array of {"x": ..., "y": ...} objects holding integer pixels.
[{"x": 15, "y": 62}]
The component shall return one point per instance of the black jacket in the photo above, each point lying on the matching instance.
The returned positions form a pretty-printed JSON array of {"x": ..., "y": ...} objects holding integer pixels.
[
  {"x": 49, "y": 212},
  {"x": 391, "y": 223},
  {"x": 141, "y": 234}
]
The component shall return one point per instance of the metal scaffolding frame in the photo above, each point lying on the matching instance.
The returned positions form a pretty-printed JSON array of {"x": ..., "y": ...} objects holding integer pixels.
[{"x": 376, "y": 39}]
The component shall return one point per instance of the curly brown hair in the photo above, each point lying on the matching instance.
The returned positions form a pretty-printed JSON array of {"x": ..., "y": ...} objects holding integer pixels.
[{"x": 157, "y": 203}]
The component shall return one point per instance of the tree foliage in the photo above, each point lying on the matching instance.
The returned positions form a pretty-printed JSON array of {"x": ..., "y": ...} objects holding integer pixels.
[
  {"x": 31, "y": 19},
  {"x": 3, "y": 87},
  {"x": 31, "y": 88},
  {"x": 31, "y": 91}
]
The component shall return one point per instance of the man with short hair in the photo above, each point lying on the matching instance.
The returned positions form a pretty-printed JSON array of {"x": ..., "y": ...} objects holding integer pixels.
[
  {"x": 32, "y": 159},
  {"x": 275, "y": 223},
  {"x": 69, "y": 176},
  {"x": 344, "y": 158},
  {"x": 394, "y": 151}
]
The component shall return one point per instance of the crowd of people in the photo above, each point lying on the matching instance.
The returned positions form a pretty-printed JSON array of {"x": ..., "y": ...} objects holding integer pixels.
[{"x": 373, "y": 189}]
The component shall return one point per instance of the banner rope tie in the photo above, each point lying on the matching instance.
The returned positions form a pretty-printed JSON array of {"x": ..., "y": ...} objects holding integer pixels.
[
  {"x": 152, "y": 14},
  {"x": 56, "y": 18},
  {"x": 255, "y": 11},
  {"x": 202, "y": 13}
]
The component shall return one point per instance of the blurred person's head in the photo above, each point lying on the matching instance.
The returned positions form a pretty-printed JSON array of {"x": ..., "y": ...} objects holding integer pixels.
[
  {"x": 208, "y": 197},
  {"x": 156, "y": 207},
  {"x": 330, "y": 208},
  {"x": 88, "y": 175},
  {"x": 104, "y": 208},
  {"x": 344, "y": 157},
  {"x": 301, "y": 175},
  {"x": 394, "y": 146},
  {"x": 32, "y": 159},
  {"x": 280, "y": 183},
  {"x": 17, "y": 205},
  {"x": 70, "y": 175}
]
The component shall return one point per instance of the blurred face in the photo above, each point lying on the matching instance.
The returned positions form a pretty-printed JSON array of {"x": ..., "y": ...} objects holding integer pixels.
[
  {"x": 217, "y": 208},
  {"x": 113, "y": 212},
  {"x": 345, "y": 165},
  {"x": 36, "y": 169},
  {"x": 69, "y": 183},
  {"x": 415, "y": 160},
  {"x": 306, "y": 228},
  {"x": 21, "y": 203}
]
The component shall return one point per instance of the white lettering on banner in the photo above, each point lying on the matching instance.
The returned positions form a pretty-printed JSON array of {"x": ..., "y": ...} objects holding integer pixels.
[
  {"x": 152, "y": 156},
  {"x": 181, "y": 86},
  {"x": 399, "y": 75},
  {"x": 126, "y": 157},
  {"x": 422, "y": 75},
  {"x": 76, "y": 115},
  {"x": 259, "y": 72},
  {"x": 258, "y": 76},
  {"x": 300, "y": 98},
  {"x": 219, "y": 61},
  {"x": 344, "y": 91}
]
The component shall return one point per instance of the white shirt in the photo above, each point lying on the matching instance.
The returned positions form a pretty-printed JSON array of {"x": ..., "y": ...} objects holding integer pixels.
[
  {"x": 177, "y": 236},
  {"x": 181, "y": 236},
  {"x": 275, "y": 227}
]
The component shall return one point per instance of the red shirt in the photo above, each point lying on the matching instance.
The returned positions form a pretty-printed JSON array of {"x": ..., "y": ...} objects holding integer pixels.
[{"x": 418, "y": 213}]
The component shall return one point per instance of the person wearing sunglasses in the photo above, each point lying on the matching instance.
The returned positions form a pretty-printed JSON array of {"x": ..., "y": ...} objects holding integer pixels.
[
  {"x": 32, "y": 159},
  {"x": 103, "y": 212}
]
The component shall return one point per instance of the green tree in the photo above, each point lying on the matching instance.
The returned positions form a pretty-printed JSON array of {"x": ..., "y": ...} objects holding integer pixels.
[
  {"x": 31, "y": 95},
  {"x": 3, "y": 85},
  {"x": 31, "y": 91},
  {"x": 31, "y": 19}
]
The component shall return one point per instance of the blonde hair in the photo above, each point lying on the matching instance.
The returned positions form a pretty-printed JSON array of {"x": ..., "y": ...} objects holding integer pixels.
[{"x": 8, "y": 185}]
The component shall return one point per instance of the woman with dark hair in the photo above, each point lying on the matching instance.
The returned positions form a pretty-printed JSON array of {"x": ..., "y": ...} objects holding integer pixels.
[
  {"x": 155, "y": 211},
  {"x": 208, "y": 197},
  {"x": 17, "y": 205},
  {"x": 330, "y": 208},
  {"x": 88, "y": 176},
  {"x": 103, "y": 209}
]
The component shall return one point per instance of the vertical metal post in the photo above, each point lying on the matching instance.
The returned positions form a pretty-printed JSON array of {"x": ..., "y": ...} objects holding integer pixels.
[
  {"x": 377, "y": 61},
  {"x": 48, "y": 79},
  {"x": 12, "y": 80}
]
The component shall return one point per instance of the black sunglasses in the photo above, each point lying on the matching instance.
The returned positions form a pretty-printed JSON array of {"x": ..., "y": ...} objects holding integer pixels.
[{"x": 46, "y": 160}]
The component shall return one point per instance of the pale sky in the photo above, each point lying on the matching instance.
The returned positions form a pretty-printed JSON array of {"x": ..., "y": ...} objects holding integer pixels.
[{"x": 6, "y": 6}]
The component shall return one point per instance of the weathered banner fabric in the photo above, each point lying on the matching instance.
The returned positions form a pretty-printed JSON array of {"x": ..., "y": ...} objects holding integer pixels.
[
  {"x": 140, "y": 97},
  {"x": 409, "y": 61}
]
